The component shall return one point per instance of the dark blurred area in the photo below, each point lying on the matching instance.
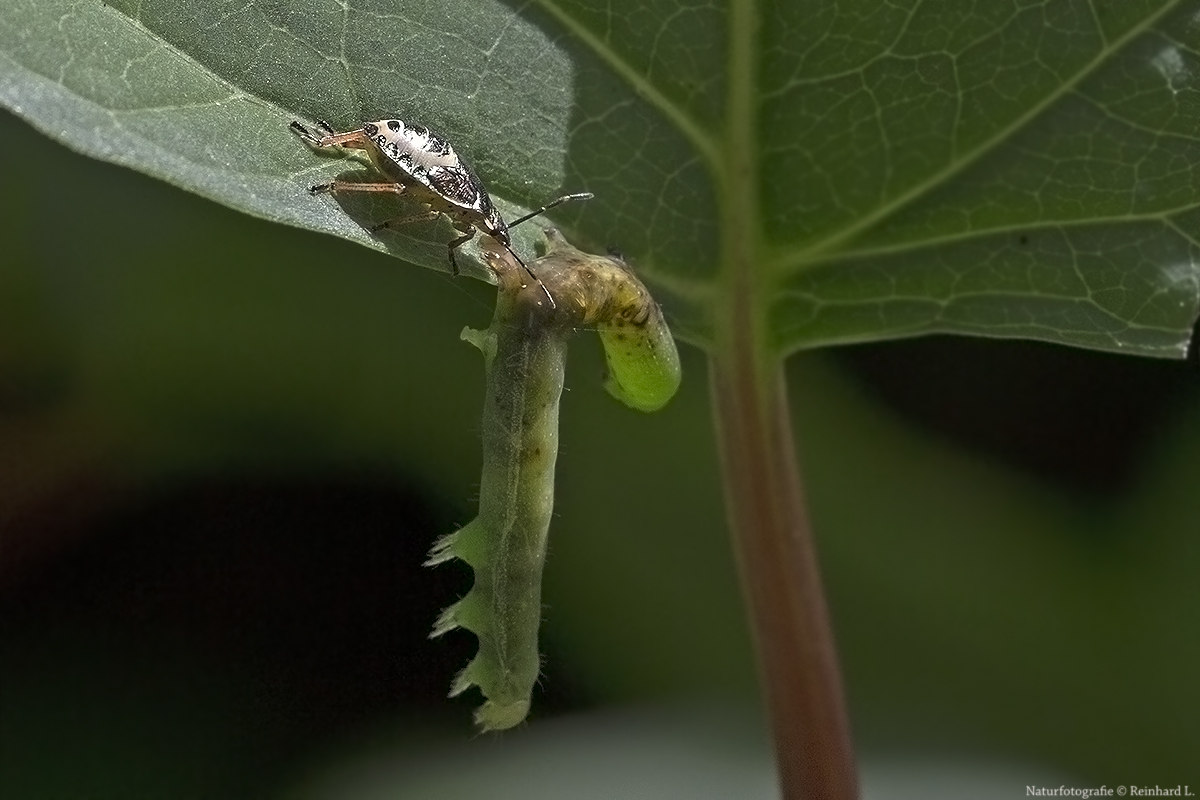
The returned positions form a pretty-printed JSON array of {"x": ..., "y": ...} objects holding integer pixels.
[
  {"x": 231, "y": 620},
  {"x": 225, "y": 448}
]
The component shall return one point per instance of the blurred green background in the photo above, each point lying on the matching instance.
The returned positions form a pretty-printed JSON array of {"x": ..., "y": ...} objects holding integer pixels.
[{"x": 225, "y": 447}]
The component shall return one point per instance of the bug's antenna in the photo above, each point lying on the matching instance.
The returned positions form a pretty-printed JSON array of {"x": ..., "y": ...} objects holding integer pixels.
[{"x": 566, "y": 198}]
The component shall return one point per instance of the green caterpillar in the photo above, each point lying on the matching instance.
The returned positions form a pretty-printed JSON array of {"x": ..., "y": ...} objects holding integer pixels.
[{"x": 525, "y": 358}]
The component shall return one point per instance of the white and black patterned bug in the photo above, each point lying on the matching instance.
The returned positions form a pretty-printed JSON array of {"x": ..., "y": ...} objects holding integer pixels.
[{"x": 423, "y": 165}]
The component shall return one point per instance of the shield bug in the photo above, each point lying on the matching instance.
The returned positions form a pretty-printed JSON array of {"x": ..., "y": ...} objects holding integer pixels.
[{"x": 419, "y": 163}]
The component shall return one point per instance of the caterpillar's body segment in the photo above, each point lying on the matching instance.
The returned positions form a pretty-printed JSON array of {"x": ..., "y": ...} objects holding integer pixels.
[
  {"x": 643, "y": 363},
  {"x": 506, "y": 543},
  {"x": 602, "y": 291},
  {"x": 525, "y": 355}
]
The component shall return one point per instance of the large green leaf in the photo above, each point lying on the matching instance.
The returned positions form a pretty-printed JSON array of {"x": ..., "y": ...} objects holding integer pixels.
[{"x": 867, "y": 170}]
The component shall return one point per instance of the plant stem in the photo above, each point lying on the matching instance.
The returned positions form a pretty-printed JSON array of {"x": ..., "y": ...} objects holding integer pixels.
[{"x": 777, "y": 564}]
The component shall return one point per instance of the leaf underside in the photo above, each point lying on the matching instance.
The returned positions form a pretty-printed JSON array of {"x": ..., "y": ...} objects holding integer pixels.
[{"x": 989, "y": 168}]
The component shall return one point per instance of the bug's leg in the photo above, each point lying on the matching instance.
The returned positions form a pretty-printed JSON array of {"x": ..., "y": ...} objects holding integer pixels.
[
  {"x": 342, "y": 187},
  {"x": 566, "y": 198},
  {"x": 352, "y": 139},
  {"x": 339, "y": 187},
  {"x": 304, "y": 133},
  {"x": 398, "y": 221},
  {"x": 457, "y": 243}
]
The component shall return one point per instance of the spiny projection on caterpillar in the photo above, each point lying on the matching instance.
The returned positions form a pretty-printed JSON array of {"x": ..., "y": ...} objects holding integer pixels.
[
  {"x": 421, "y": 164},
  {"x": 525, "y": 360}
]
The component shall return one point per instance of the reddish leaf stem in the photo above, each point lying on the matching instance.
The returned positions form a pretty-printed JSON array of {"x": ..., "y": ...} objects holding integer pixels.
[{"x": 781, "y": 582}]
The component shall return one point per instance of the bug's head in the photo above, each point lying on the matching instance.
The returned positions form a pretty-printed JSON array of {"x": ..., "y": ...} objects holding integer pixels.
[{"x": 495, "y": 226}]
